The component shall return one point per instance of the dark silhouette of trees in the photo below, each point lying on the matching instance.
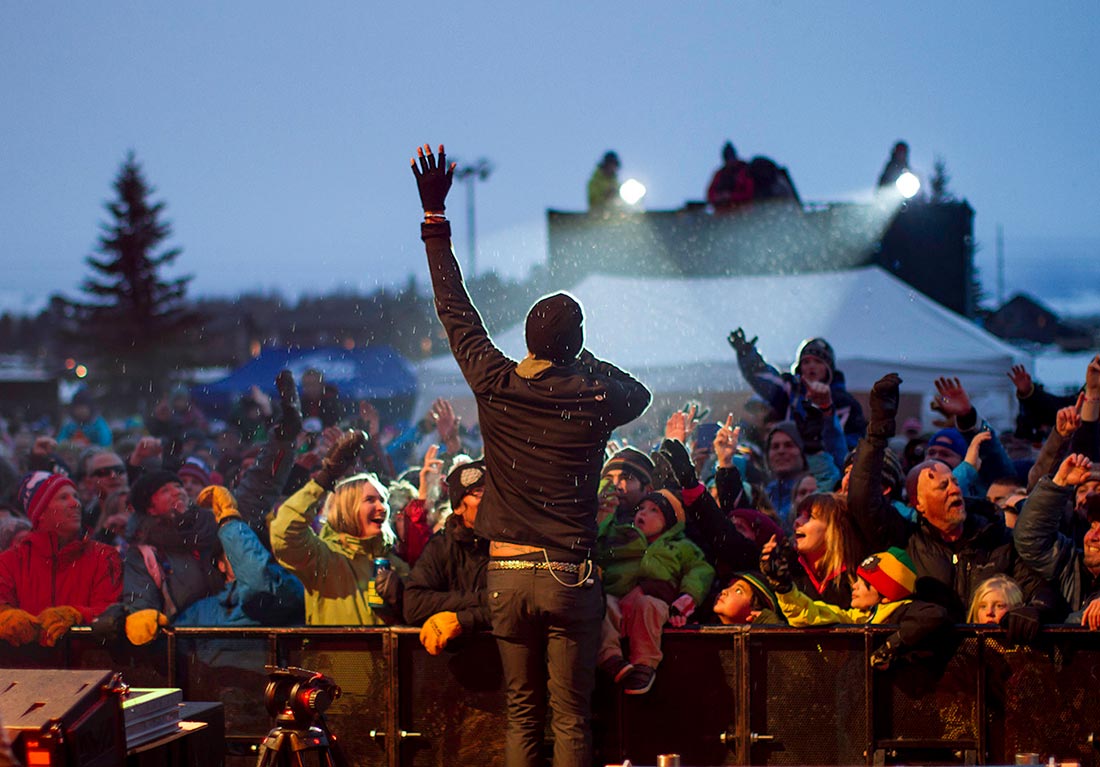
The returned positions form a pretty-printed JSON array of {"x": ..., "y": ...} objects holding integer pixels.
[{"x": 132, "y": 326}]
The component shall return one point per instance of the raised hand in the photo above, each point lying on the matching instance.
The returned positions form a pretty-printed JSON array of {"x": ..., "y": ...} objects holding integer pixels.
[
  {"x": 676, "y": 425},
  {"x": 975, "y": 446},
  {"x": 433, "y": 178},
  {"x": 289, "y": 424},
  {"x": 951, "y": 397},
  {"x": 430, "y": 472},
  {"x": 737, "y": 341},
  {"x": 819, "y": 394},
  {"x": 446, "y": 422},
  {"x": 885, "y": 397},
  {"x": 678, "y": 458},
  {"x": 725, "y": 442},
  {"x": 146, "y": 448},
  {"x": 1073, "y": 471},
  {"x": 340, "y": 458},
  {"x": 1068, "y": 419},
  {"x": 1021, "y": 379}
]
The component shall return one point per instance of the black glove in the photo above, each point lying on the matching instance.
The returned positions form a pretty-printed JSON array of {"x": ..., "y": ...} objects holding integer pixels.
[
  {"x": 885, "y": 398},
  {"x": 289, "y": 424},
  {"x": 776, "y": 568},
  {"x": 1021, "y": 625},
  {"x": 682, "y": 467},
  {"x": 882, "y": 658},
  {"x": 340, "y": 458},
  {"x": 738, "y": 342},
  {"x": 433, "y": 180},
  {"x": 108, "y": 625}
]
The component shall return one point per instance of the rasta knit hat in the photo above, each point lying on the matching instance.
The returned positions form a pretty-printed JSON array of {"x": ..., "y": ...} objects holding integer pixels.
[
  {"x": 890, "y": 572},
  {"x": 760, "y": 586},
  {"x": 952, "y": 439},
  {"x": 141, "y": 494},
  {"x": 632, "y": 461},
  {"x": 555, "y": 328},
  {"x": 464, "y": 479},
  {"x": 37, "y": 490},
  {"x": 668, "y": 503}
]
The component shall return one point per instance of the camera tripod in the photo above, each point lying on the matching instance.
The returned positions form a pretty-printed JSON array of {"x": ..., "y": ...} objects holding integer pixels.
[
  {"x": 298, "y": 698},
  {"x": 292, "y": 746}
]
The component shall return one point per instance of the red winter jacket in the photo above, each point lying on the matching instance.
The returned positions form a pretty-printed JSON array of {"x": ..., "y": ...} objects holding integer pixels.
[{"x": 83, "y": 574}]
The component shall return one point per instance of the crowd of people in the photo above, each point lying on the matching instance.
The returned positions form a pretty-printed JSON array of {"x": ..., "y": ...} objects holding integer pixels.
[
  {"x": 736, "y": 184},
  {"x": 141, "y": 531},
  {"x": 804, "y": 511}
]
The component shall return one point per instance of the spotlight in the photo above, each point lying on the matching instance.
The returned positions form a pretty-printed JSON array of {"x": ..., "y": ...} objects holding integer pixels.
[
  {"x": 632, "y": 191},
  {"x": 908, "y": 184}
]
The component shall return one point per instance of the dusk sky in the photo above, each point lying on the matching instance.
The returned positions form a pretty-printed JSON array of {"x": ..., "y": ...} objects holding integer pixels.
[{"x": 279, "y": 134}]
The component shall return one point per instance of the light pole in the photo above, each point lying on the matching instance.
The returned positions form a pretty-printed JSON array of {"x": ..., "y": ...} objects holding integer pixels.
[{"x": 471, "y": 174}]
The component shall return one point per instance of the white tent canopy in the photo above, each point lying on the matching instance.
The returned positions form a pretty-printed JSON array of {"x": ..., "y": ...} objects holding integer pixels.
[{"x": 671, "y": 334}]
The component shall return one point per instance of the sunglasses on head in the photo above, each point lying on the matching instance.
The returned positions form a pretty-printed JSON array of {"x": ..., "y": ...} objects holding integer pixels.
[{"x": 108, "y": 471}]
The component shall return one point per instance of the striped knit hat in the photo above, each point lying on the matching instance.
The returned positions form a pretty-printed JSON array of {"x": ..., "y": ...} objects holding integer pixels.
[
  {"x": 760, "y": 586},
  {"x": 37, "y": 490},
  {"x": 890, "y": 572},
  {"x": 632, "y": 461}
]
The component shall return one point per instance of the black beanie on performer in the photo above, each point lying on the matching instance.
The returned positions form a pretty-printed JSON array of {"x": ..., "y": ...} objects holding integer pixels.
[{"x": 555, "y": 328}]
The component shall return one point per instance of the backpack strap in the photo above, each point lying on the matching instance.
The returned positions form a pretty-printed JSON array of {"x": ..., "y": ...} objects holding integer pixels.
[{"x": 152, "y": 564}]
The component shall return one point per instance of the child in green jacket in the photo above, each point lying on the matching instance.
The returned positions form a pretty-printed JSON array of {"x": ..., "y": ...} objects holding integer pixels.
[{"x": 652, "y": 575}]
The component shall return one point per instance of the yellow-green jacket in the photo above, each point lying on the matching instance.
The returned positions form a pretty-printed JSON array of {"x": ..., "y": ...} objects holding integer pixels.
[
  {"x": 803, "y": 611},
  {"x": 336, "y": 569}
]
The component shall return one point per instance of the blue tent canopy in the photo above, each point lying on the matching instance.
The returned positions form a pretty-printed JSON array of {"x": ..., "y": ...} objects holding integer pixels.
[{"x": 373, "y": 373}]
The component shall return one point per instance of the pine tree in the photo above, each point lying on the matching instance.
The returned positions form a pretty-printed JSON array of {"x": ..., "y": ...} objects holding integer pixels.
[
  {"x": 940, "y": 179},
  {"x": 133, "y": 326}
]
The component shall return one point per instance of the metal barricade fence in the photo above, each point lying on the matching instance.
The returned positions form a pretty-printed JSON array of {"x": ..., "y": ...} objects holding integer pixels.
[{"x": 723, "y": 695}]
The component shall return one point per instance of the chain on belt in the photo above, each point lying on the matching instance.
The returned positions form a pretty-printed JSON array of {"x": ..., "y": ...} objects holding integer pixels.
[{"x": 523, "y": 564}]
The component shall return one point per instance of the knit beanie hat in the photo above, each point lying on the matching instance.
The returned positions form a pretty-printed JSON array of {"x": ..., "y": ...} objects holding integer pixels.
[
  {"x": 555, "y": 328},
  {"x": 141, "y": 494},
  {"x": 952, "y": 439},
  {"x": 891, "y": 573},
  {"x": 791, "y": 430},
  {"x": 633, "y": 461},
  {"x": 463, "y": 479},
  {"x": 819, "y": 348},
  {"x": 194, "y": 468},
  {"x": 893, "y": 476},
  {"x": 37, "y": 490},
  {"x": 761, "y": 526},
  {"x": 760, "y": 586},
  {"x": 669, "y": 504}
]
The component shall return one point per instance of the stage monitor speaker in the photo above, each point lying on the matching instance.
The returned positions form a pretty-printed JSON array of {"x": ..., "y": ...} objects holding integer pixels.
[{"x": 57, "y": 717}]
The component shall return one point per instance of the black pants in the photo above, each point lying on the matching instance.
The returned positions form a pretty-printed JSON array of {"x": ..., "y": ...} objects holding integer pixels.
[{"x": 548, "y": 635}]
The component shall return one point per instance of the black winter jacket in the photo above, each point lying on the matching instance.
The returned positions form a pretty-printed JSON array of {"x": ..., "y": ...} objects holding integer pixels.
[
  {"x": 450, "y": 576},
  {"x": 545, "y": 426},
  {"x": 947, "y": 573}
]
